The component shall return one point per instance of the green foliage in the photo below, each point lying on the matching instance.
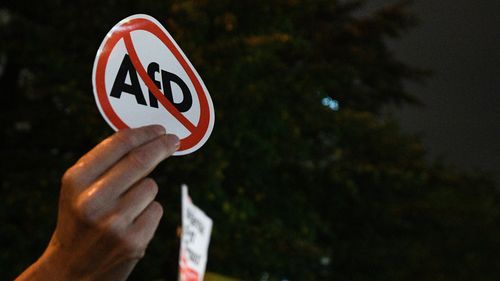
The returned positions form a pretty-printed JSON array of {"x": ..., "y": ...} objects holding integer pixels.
[{"x": 296, "y": 190}]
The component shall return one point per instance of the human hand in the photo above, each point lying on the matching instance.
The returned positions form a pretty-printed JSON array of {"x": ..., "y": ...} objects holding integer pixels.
[{"x": 107, "y": 213}]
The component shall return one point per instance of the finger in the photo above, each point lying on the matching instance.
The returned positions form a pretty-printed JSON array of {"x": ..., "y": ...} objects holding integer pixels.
[
  {"x": 109, "y": 151},
  {"x": 137, "y": 199},
  {"x": 133, "y": 202},
  {"x": 144, "y": 227},
  {"x": 134, "y": 166}
]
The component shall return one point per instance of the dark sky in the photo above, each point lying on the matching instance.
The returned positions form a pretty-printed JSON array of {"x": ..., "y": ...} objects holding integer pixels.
[{"x": 459, "y": 40}]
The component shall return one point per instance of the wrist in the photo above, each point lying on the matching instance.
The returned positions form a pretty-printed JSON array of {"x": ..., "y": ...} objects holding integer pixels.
[{"x": 50, "y": 266}]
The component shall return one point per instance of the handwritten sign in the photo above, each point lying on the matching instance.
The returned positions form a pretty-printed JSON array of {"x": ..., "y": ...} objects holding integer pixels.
[{"x": 196, "y": 230}]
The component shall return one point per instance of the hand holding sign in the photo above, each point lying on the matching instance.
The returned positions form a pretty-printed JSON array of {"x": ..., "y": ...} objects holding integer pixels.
[
  {"x": 107, "y": 213},
  {"x": 142, "y": 77}
]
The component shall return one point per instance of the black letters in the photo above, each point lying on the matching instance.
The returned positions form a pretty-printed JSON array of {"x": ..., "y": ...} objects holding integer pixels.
[
  {"x": 119, "y": 86},
  {"x": 187, "y": 100},
  {"x": 152, "y": 69},
  {"x": 134, "y": 88}
]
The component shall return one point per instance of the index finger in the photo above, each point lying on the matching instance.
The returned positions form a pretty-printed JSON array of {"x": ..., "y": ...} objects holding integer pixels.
[{"x": 108, "y": 152}]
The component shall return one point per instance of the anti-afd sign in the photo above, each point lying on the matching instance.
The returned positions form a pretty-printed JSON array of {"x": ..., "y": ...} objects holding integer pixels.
[{"x": 142, "y": 77}]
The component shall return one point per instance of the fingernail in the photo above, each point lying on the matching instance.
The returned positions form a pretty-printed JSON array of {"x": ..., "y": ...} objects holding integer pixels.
[{"x": 176, "y": 141}]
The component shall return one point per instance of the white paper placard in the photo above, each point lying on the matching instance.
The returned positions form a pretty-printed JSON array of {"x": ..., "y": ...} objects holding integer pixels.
[{"x": 196, "y": 231}]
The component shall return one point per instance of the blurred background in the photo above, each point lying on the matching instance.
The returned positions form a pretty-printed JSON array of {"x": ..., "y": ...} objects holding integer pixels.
[
  {"x": 460, "y": 43},
  {"x": 354, "y": 140}
]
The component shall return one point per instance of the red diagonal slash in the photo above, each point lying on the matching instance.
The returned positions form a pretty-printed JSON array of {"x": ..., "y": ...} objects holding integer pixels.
[
  {"x": 122, "y": 31},
  {"x": 152, "y": 86}
]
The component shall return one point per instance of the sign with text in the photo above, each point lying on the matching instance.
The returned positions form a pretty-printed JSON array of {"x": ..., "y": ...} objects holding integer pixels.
[
  {"x": 142, "y": 77},
  {"x": 196, "y": 230}
]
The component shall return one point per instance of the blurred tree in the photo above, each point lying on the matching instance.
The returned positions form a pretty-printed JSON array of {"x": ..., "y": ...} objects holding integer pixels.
[{"x": 297, "y": 190}]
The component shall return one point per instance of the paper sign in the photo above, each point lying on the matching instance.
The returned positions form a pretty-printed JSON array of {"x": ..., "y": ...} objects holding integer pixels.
[
  {"x": 196, "y": 230},
  {"x": 142, "y": 77}
]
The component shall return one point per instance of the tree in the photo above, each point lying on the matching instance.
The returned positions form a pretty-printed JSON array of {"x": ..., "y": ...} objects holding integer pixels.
[{"x": 296, "y": 190}]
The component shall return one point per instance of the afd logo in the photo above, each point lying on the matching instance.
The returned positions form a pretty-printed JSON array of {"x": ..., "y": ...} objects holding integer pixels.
[{"x": 134, "y": 88}]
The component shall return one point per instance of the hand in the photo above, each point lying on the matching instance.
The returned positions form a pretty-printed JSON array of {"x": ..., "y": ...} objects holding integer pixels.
[{"x": 107, "y": 213}]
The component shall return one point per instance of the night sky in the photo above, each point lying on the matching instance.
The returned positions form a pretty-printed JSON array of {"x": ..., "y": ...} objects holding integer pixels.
[{"x": 459, "y": 41}]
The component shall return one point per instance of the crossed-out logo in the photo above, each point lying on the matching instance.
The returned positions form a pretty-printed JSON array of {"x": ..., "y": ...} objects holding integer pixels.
[{"x": 142, "y": 77}]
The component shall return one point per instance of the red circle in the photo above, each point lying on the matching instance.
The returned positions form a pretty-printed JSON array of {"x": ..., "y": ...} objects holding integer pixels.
[{"x": 118, "y": 33}]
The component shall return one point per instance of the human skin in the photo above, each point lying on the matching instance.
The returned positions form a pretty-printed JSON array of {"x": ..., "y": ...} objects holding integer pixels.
[{"x": 107, "y": 213}]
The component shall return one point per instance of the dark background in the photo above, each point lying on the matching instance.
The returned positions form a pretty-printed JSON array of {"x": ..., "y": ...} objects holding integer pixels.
[
  {"x": 459, "y": 41},
  {"x": 297, "y": 190}
]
